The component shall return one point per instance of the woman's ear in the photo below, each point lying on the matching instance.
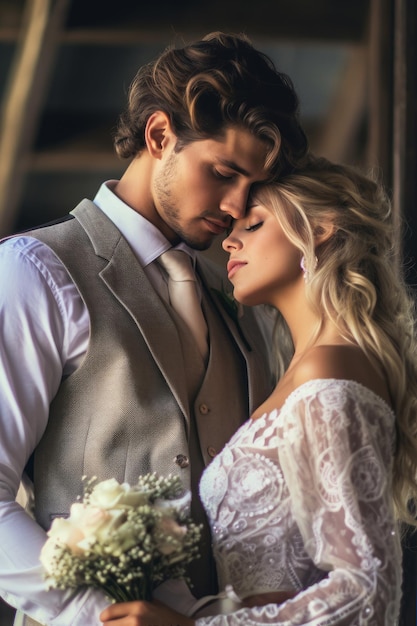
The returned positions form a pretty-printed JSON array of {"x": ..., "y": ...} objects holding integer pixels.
[{"x": 158, "y": 133}]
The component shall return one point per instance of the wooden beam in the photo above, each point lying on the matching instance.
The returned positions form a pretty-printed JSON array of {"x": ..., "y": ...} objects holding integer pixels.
[
  {"x": 24, "y": 96},
  {"x": 405, "y": 130},
  {"x": 405, "y": 205},
  {"x": 381, "y": 59},
  {"x": 70, "y": 160},
  {"x": 338, "y": 136}
]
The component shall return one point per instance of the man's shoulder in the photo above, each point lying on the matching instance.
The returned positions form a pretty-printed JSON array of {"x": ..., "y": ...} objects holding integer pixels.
[
  {"x": 31, "y": 231},
  {"x": 65, "y": 222}
]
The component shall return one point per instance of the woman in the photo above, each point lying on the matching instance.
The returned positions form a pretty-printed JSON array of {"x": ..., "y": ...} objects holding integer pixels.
[{"x": 306, "y": 500}]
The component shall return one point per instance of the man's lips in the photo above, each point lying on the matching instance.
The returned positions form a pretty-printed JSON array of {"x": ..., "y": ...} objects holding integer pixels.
[
  {"x": 217, "y": 227},
  {"x": 233, "y": 266}
]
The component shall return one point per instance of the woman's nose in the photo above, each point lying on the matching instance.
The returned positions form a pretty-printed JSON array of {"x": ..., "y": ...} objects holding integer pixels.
[{"x": 230, "y": 243}]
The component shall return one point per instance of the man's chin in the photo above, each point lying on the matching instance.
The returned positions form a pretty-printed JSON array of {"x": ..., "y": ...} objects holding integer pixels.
[{"x": 198, "y": 244}]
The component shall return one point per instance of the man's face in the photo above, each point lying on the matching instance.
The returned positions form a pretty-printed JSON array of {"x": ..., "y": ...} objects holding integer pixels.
[{"x": 197, "y": 191}]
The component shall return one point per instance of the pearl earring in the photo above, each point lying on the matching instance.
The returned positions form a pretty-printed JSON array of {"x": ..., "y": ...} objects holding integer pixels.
[{"x": 306, "y": 271}]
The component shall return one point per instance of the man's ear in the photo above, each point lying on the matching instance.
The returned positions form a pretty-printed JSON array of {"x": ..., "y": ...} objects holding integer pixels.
[{"x": 158, "y": 133}]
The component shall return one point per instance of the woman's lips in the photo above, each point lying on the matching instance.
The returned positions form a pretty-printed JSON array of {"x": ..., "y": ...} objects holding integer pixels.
[{"x": 233, "y": 266}]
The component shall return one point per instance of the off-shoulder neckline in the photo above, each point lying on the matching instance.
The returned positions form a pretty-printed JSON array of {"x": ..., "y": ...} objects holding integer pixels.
[{"x": 303, "y": 389}]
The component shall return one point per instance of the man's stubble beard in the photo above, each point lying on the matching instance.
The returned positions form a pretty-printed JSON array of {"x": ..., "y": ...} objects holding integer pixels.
[{"x": 171, "y": 213}]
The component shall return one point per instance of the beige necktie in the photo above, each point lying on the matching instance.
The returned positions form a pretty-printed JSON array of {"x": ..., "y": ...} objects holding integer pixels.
[{"x": 183, "y": 296}]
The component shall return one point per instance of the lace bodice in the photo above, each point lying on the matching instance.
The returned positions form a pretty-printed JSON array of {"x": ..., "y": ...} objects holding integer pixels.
[{"x": 300, "y": 500}]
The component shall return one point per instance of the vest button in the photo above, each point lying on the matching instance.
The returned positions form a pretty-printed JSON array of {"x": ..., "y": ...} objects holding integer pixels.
[
  {"x": 211, "y": 451},
  {"x": 182, "y": 461},
  {"x": 204, "y": 409}
]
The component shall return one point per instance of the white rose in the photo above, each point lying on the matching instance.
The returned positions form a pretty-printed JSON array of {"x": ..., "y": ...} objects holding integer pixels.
[
  {"x": 110, "y": 494},
  {"x": 95, "y": 523},
  {"x": 85, "y": 526},
  {"x": 87, "y": 518},
  {"x": 62, "y": 533},
  {"x": 123, "y": 540},
  {"x": 114, "y": 519}
]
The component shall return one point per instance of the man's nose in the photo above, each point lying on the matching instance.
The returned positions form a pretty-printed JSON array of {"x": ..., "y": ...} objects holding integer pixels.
[{"x": 234, "y": 203}]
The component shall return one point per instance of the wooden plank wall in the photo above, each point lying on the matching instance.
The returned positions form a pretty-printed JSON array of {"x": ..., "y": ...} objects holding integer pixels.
[{"x": 34, "y": 60}]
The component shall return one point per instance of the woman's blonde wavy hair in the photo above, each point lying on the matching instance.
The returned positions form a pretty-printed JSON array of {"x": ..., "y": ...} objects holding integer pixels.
[{"x": 359, "y": 284}]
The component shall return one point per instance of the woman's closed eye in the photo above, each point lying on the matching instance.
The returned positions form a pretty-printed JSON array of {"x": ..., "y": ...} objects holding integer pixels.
[{"x": 254, "y": 227}]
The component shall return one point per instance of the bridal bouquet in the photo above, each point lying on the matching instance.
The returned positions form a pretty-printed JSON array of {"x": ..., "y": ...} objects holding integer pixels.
[{"x": 122, "y": 539}]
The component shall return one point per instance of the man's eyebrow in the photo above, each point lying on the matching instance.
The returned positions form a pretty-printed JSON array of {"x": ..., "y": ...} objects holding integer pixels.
[{"x": 234, "y": 166}]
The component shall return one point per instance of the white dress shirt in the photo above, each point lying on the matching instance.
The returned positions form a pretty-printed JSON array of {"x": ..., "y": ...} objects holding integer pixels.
[{"x": 45, "y": 333}]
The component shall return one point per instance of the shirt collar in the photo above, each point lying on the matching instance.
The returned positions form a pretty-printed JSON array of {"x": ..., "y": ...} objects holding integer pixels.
[{"x": 146, "y": 241}]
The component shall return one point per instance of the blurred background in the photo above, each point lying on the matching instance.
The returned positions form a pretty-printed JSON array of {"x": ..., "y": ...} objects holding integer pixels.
[{"x": 65, "y": 66}]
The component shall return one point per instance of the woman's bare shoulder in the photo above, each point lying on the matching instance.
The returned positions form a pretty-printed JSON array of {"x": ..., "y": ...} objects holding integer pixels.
[{"x": 343, "y": 362}]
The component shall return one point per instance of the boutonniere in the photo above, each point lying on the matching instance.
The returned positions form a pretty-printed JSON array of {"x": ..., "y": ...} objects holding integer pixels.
[{"x": 234, "y": 309}]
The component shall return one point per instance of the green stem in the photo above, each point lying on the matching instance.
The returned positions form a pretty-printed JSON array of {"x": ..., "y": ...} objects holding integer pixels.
[{"x": 141, "y": 589}]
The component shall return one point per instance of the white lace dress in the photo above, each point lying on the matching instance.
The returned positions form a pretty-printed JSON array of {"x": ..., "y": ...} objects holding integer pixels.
[{"x": 299, "y": 500}]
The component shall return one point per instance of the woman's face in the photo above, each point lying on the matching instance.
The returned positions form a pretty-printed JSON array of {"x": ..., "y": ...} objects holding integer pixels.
[{"x": 264, "y": 266}]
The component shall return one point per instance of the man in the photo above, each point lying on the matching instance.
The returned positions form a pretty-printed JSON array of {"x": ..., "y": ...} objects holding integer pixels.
[{"x": 99, "y": 375}]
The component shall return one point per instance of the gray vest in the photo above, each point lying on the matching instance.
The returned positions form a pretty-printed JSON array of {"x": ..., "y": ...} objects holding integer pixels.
[{"x": 127, "y": 410}]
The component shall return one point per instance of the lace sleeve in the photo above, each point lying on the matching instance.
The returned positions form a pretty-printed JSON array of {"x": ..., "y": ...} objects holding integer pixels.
[{"x": 335, "y": 450}]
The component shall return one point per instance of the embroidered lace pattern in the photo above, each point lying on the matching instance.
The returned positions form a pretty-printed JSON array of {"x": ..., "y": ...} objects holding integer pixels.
[{"x": 299, "y": 500}]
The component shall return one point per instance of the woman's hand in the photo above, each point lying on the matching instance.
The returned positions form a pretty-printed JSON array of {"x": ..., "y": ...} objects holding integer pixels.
[{"x": 142, "y": 613}]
